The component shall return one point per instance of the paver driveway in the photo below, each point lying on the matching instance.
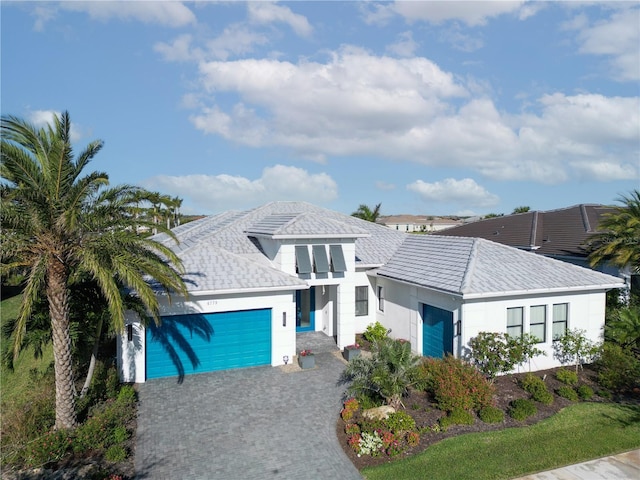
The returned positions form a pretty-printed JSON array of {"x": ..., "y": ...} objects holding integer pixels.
[{"x": 254, "y": 423}]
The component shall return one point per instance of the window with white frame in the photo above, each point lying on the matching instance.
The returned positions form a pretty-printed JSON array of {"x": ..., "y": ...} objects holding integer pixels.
[
  {"x": 362, "y": 301},
  {"x": 381, "y": 298},
  {"x": 538, "y": 322},
  {"x": 515, "y": 317},
  {"x": 560, "y": 319}
]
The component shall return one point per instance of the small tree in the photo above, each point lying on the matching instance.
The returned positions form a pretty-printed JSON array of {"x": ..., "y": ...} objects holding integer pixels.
[
  {"x": 491, "y": 353},
  {"x": 574, "y": 348},
  {"x": 523, "y": 349}
]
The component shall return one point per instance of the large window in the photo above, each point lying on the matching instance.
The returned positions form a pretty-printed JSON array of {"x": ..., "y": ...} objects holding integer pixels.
[
  {"x": 381, "y": 299},
  {"x": 560, "y": 319},
  {"x": 514, "y": 321},
  {"x": 362, "y": 301},
  {"x": 538, "y": 322}
]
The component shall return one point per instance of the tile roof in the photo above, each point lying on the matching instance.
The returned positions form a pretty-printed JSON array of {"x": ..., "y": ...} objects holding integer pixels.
[
  {"x": 218, "y": 251},
  {"x": 478, "y": 267},
  {"x": 556, "y": 233}
]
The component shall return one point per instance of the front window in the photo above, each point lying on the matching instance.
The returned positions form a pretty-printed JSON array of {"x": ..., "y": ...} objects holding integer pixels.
[
  {"x": 538, "y": 323},
  {"x": 560, "y": 319},
  {"x": 381, "y": 299},
  {"x": 362, "y": 301},
  {"x": 514, "y": 321}
]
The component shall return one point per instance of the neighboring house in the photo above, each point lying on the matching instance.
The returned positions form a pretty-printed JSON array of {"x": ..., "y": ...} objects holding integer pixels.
[
  {"x": 417, "y": 223},
  {"x": 259, "y": 277},
  {"x": 562, "y": 234}
]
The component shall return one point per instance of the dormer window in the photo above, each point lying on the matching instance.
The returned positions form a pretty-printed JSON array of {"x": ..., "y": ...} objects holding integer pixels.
[
  {"x": 303, "y": 262},
  {"x": 320, "y": 261},
  {"x": 337, "y": 259}
]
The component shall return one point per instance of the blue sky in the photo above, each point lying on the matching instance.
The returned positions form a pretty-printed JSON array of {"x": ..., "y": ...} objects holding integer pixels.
[{"x": 426, "y": 107}]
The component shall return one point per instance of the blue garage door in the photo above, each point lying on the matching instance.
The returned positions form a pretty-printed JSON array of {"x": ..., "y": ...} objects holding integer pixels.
[
  {"x": 187, "y": 344},
  {"x": 437, "y": 331}
]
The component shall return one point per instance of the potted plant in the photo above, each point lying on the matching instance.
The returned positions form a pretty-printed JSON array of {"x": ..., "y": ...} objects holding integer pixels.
[
  {"x": 306, "y": 359},
  {"x": 351, "y": 351}
]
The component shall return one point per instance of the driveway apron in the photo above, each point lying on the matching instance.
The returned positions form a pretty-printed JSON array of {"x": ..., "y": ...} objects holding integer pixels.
[{"x": 253, "y": 423}]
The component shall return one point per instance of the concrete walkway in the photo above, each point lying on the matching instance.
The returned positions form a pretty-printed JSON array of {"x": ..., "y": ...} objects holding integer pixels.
[
  {"x": 248, "y": 424},
  {"x": 625, "y": 466}
]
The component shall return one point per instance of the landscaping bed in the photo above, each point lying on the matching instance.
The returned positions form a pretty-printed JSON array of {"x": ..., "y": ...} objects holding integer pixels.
[{"x": 423, "y": 410}]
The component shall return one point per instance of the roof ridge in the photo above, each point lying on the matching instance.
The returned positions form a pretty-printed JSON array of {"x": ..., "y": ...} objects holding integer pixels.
[
  {"x": 471, "y": 264},
  {"x": 534, "y": 229},
  {"x": 585, "y": 218}
]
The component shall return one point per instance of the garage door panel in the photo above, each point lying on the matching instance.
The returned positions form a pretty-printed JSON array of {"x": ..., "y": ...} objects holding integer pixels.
[{"x": 187, "y": 344}]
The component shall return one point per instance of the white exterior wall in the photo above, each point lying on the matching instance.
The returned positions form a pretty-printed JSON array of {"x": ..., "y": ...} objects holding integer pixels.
[
  {"x": 403, "y": 315},
  {"x": 131, "y": 355},
  {"x": 361, "y": 279}
]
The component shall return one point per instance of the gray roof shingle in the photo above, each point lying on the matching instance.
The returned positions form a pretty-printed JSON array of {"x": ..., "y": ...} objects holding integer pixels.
[{"x": 474, "y": 266}]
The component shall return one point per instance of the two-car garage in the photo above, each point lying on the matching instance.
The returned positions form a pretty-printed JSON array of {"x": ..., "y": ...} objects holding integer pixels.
[{"x": 198, "y": 343}]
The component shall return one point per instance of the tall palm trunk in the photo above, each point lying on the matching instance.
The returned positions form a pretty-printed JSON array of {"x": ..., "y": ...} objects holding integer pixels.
[{"x": 58, "y": 297}]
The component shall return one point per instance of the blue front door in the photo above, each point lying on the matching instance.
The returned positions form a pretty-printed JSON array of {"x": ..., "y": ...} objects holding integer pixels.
[
  {"x": 437, "y": 331},
  {"x": 305, "y": 310}
]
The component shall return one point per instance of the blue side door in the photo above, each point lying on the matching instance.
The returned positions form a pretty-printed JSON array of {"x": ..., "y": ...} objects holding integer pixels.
[
  {"x": 306, "y": 310},
  {"x": 437, "y": 331}
]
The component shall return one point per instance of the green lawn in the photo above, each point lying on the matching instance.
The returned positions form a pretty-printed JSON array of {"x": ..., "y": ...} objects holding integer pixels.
[
  {"x": 580, "y": 432},
  {"x": 14, "y": 384}
]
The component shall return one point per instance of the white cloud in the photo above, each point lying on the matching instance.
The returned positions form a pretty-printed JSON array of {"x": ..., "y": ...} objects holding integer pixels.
[
  {"x": 180, "y": 50},
  {"x": 460, "y": 41},
  {"x": 470, "y": 12},
  {"x": 169, "y": 14},
  {"x": 267, "y": 12},
  {"x": 236, "y": 39},
  {"x": 617, "y": 38},
  {"x": 405, "y": 46},
  {"x": 358, "y": 104},
  {"x": 215, "y": 193},
  {"x": 462, "y": 192},
  {"x": 42, "y": 118}
]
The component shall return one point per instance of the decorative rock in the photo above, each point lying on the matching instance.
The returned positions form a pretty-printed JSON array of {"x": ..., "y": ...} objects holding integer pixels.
[{"x": 378, "y": 413}]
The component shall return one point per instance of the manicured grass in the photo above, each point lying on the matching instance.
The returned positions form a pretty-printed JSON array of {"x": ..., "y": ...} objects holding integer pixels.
[
  {"x": 580, "y": 432},
  {"x": 15, "y": 384}
]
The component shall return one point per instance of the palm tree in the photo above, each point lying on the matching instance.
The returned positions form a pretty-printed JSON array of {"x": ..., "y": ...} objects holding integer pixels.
[
  {"x": 619, "y": 242},
  {"x": 521, "y": 209},
  {"x": 60, "y": 223},
  {"x": 365, "y": 213}
]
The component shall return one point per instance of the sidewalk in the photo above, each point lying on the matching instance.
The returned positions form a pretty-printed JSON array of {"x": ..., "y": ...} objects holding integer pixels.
[{"x": 625, "y": 466}]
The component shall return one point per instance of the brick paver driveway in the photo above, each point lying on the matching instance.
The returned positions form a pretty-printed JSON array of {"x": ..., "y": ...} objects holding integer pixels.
[{"x": 254, "y": 423}]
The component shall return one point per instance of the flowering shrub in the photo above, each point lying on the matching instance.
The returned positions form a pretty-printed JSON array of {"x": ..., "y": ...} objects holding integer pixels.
[
  {"x": 370, "y": 444},
  {"x": 304, "y": 353},
  {"x": 399, "y": 422},
  {"x": 351, "y": 406},
  {"x": 457, "y": 385},
  {"x": 375, "y": 332},
  {"x": 390, "y": 444},
  {"x": 354, "y": 442}
]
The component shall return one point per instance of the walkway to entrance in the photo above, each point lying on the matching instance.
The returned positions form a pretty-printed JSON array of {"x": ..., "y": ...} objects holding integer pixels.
[{"x": 246, "y": 424}]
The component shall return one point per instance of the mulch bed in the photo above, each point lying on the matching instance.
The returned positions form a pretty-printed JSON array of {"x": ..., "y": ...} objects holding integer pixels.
[{"x": 423, "y": 411}]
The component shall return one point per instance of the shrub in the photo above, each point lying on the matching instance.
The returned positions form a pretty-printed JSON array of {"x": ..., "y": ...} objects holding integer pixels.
[
  {"x": 371, "y": 425},
  {"x": 387, "y": 373},
  {"x": 495, "y": 353},
  {"x": 112, "y": 383},
  {"x": 522, "y": 409},
  {"x": 116, "y": 453},
  {"x": 370, "y": 444},
  {"x": 400, "y": 422},
  {"x": 351, "y": 406},
  {"x": 351, "y": 428},
  {"x": 126, "y": 395},
  {"x": 618, "y": 368},
  {"x": 537, "y": 388},
  {"x": 567, "y": 392},
  {"x": 456, "y": 417},
  {"x": 568, "y": 377},
  {"x": 585, "y": 392},
  {"x": 491, "y": 415},
  {"x": 413, "y": 439},
  {"x": 375, "y": 332},
  {"x": 50, "y": 447},
  {"x": 119, "y": 435},
  {"x": 456, "y": 384},
  {"x": 354, "y": 442}
]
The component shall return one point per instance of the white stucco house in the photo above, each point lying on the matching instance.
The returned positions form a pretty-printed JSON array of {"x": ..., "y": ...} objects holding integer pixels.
[{"x": 258, "y": 278}]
